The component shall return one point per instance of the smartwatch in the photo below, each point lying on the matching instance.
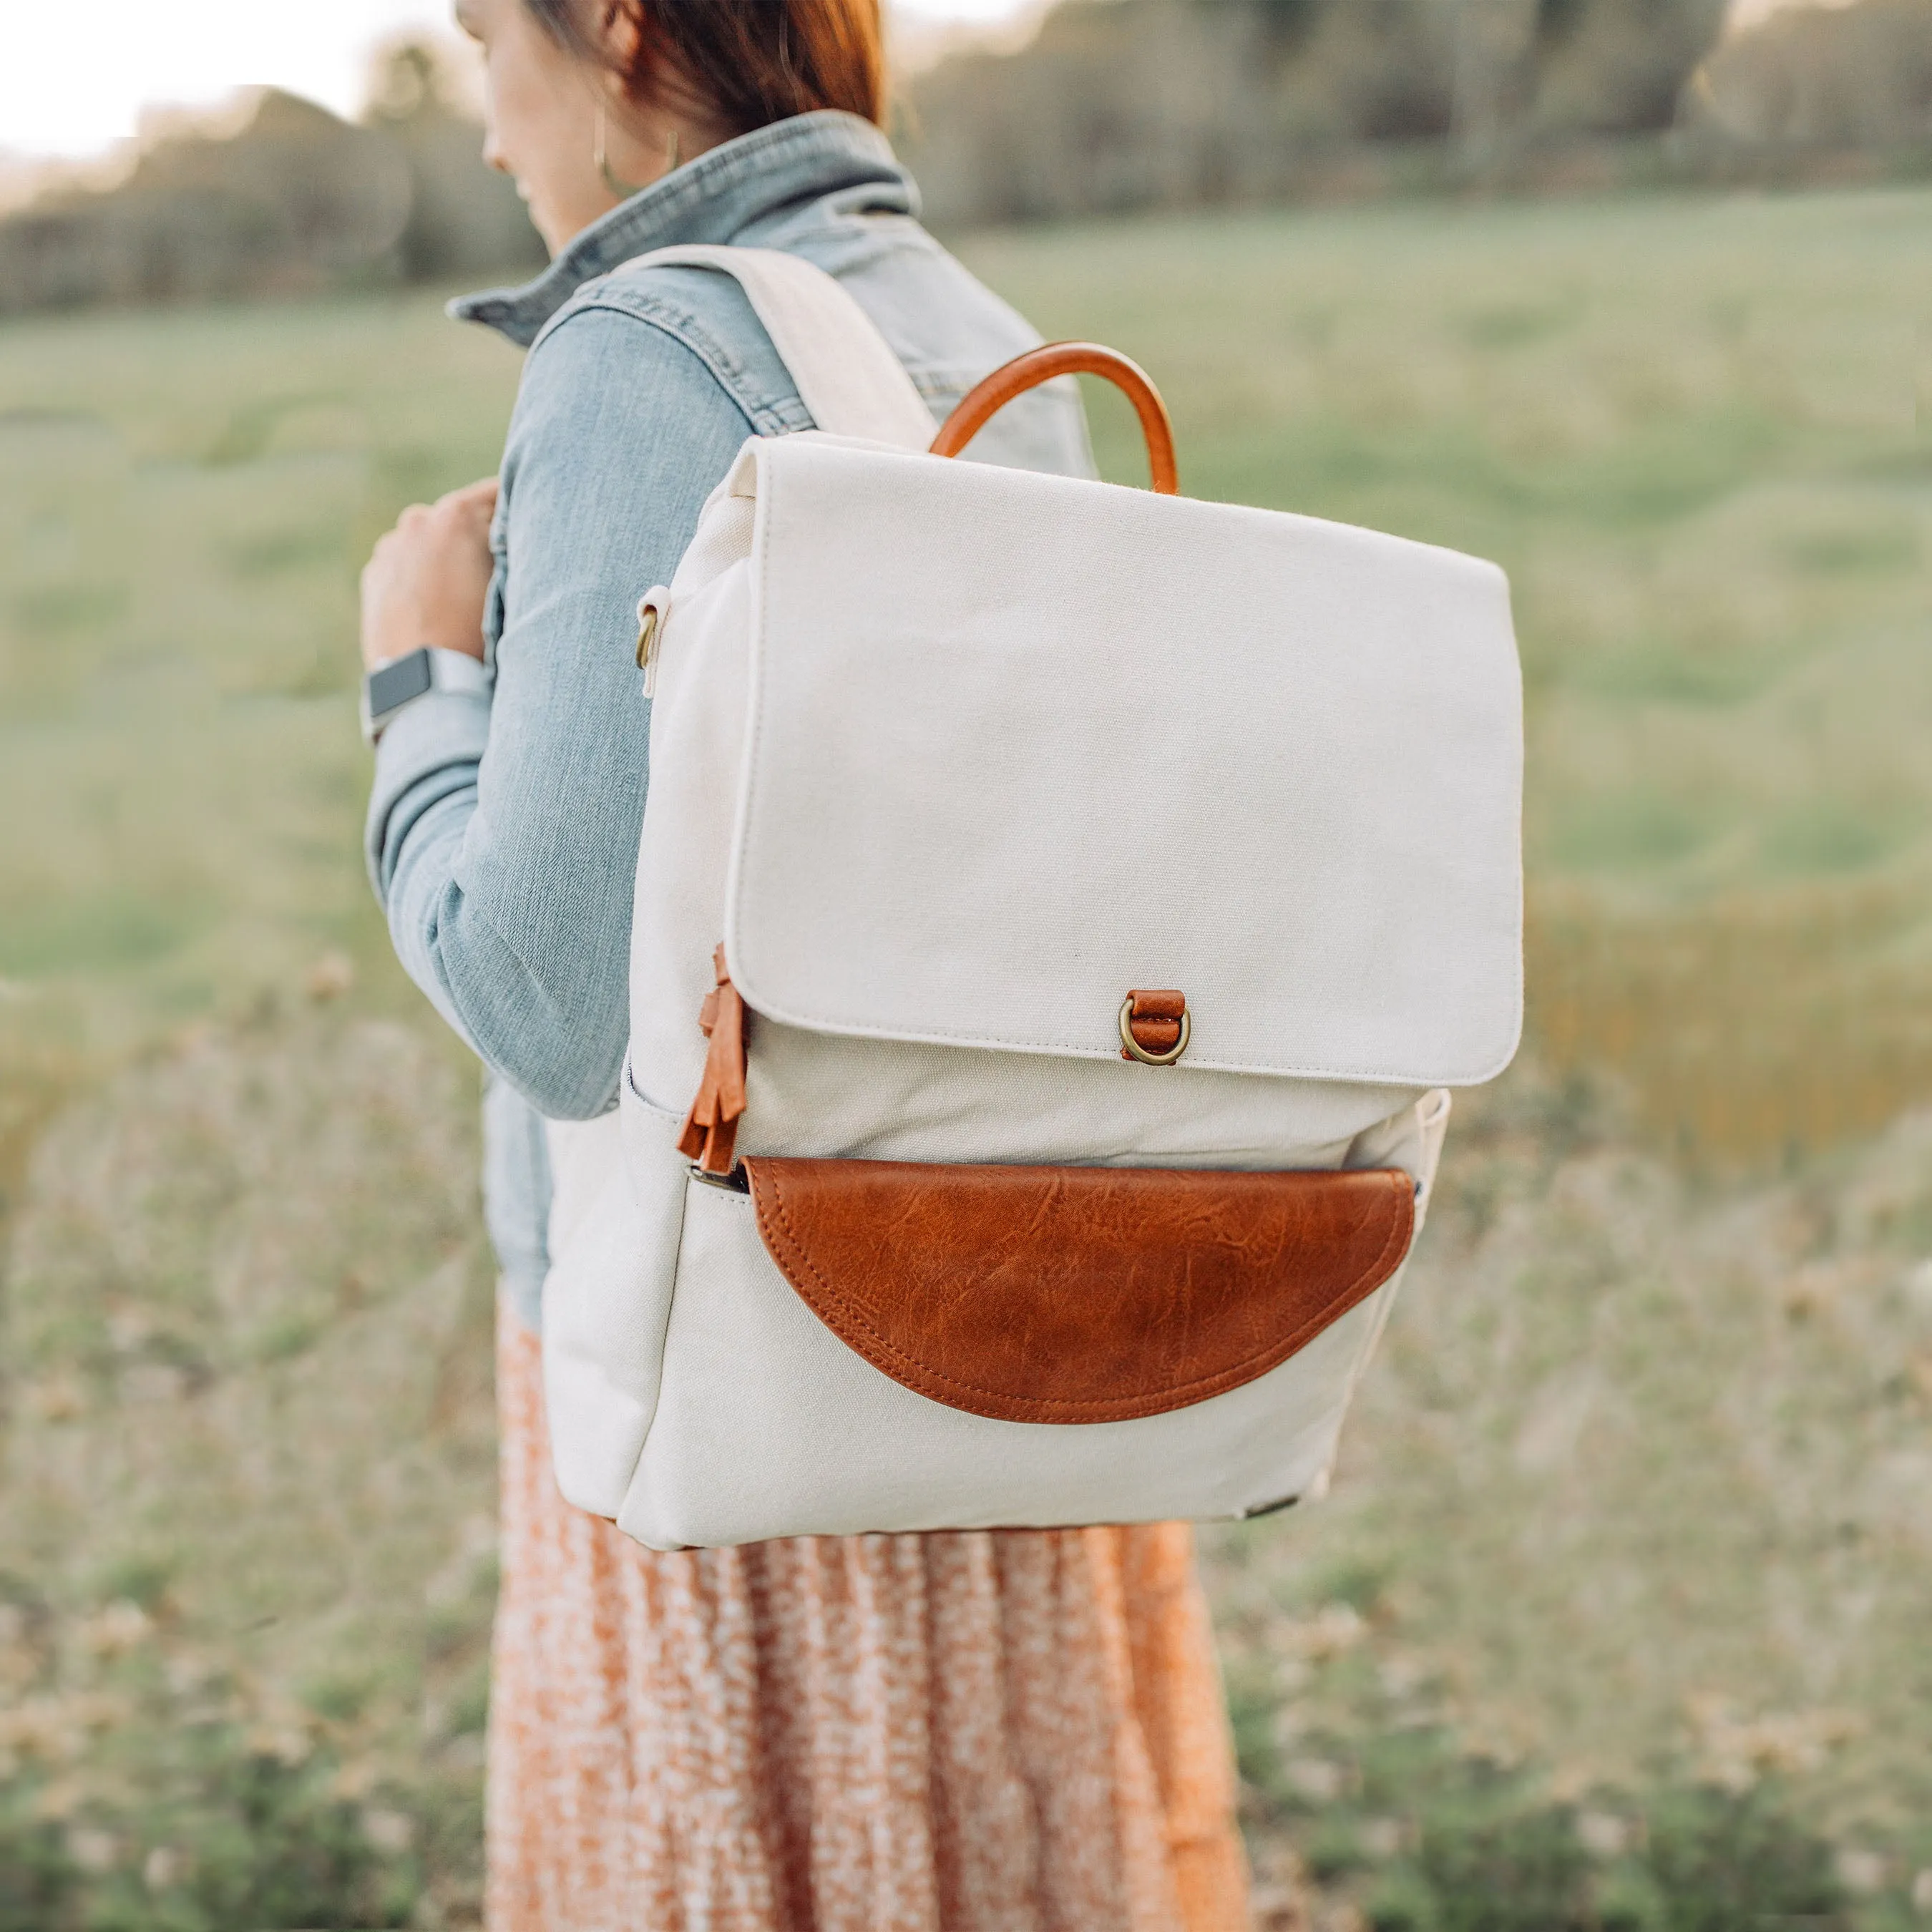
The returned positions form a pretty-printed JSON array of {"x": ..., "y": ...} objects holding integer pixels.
[{"x": 389, "y": 687}]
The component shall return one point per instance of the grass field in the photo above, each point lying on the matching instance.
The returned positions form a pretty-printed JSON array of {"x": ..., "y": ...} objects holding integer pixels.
[{"x": 1638, "y": 1504}]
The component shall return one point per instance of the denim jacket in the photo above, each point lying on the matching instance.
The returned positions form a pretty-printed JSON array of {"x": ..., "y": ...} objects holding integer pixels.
[{"x": 502, "y": 830}]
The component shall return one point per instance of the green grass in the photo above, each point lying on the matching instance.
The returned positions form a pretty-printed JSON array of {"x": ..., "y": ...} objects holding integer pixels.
[{"x": 1633, "y": 1508}]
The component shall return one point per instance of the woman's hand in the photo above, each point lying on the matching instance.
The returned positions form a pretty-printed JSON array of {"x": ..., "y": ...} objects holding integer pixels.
[{"x": 426, "y": 581}]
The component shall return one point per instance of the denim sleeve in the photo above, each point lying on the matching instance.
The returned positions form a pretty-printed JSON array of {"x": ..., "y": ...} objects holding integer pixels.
[
  {"x": 516, "y": 1198},
  {"x": 502, "y": 834}
]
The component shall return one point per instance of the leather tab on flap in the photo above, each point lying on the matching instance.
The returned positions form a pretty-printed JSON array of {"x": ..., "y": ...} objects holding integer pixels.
[
  {"x": 1154, "y": 1026},
  {"x": 1066, "y": 1294}
]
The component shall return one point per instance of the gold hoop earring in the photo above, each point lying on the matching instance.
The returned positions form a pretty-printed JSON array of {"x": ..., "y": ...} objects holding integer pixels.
[{"x": 620, "y": 190}]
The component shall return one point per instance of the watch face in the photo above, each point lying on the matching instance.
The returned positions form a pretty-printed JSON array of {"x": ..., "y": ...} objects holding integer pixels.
[{"x": 396, "y": 684}]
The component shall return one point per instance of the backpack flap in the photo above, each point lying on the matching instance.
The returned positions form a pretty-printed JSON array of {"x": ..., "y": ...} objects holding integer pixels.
[{"x": 1019, "y": 744}]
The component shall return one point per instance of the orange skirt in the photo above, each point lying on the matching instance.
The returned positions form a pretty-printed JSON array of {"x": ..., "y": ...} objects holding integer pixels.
[{"x": 1002, "y": 1731}]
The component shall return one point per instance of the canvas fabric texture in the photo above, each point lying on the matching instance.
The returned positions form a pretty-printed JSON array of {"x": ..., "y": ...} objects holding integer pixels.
[{"x": 1274, "y": 762}]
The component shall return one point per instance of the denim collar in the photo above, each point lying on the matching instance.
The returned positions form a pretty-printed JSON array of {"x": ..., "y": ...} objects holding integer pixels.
[{"x": 715, "y": 198}]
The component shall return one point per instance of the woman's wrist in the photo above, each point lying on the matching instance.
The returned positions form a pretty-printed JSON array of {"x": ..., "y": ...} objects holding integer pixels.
[{"x": 392, "y": 687}]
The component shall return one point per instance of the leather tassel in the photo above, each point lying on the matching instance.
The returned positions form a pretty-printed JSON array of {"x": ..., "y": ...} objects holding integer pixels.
[{"x": 711, "y": 1128}]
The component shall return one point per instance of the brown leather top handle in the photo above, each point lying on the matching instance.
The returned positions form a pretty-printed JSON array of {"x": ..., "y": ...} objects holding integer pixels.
[{"x": 980, "y": 403}]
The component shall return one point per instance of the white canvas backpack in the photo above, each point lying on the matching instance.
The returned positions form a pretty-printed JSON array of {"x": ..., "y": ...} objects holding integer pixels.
[{"x": 1067, "y": 903}]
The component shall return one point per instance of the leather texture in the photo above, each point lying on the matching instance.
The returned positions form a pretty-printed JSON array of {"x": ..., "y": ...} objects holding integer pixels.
[
  {"x": 710, "y": 1135},
  {"x": 1154, "y": 1020},
  {"x": 981, "y": 402},
  {"x": 752, "y": 1419},
  {"x": 1077, "y": 1294}
]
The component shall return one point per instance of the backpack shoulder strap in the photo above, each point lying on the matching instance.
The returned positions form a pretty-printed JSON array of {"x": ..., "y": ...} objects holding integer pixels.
[{"x": 846, "y": 374}]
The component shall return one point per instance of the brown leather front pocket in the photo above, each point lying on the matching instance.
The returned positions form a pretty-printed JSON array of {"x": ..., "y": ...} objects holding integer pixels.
[{"x": 1077, "y": 1293}]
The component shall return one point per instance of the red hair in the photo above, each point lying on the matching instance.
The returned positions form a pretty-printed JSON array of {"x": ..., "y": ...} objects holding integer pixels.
[{"x": 752, "y": 62}]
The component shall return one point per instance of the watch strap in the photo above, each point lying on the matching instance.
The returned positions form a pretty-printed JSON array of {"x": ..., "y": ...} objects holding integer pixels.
[{"x": 390, "y": 687}]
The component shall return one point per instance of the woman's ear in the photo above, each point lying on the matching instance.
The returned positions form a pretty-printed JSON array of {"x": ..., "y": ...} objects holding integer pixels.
[{"x": 620, "y": 34}]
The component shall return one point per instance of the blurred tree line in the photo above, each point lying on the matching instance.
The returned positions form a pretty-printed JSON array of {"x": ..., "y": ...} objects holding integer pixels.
[
  {"x": 1120, "y": 104},
  {"x": 1115, "y": 105},
  {"x": 295, "y": 200}
]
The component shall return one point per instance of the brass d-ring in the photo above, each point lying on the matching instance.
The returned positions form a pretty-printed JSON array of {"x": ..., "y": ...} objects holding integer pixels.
[{"x": 1139, "y": 1051}]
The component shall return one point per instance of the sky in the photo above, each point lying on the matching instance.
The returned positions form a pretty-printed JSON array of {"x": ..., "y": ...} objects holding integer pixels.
[{"x": 75, "y": 77}]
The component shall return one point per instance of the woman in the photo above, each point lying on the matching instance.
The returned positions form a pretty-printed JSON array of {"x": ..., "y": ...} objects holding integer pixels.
[{"x": 1008, "y": 1730}]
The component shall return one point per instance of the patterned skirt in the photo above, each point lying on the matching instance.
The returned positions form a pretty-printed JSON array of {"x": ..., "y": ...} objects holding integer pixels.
[{"x": 1005, "y": 1731}]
